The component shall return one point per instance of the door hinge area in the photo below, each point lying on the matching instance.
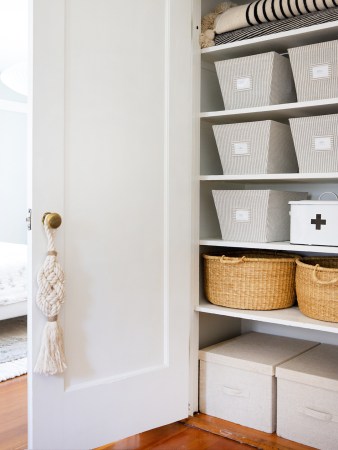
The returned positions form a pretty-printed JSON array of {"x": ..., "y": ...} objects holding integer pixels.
[{"x": 29, "y": 220}]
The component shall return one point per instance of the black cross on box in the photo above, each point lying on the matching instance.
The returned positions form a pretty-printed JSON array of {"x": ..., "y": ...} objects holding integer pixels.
[{"x": 318, "y": 221}]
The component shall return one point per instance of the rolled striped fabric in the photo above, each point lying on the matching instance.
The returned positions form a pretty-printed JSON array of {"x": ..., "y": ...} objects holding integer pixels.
[
  {"x": 262, "y": 11},
  {"x": 279, "y": 26}
]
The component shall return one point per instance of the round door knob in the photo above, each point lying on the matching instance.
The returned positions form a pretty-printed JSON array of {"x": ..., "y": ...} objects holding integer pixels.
[{"x": 53, "y": 220}]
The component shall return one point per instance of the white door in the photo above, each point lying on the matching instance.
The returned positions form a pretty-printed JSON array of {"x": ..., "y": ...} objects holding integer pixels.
[{"x": 111, "y": 152}]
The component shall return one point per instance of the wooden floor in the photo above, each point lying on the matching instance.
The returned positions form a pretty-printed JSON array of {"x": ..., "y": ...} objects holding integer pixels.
[
  {"x": 203, "y": 432},
  {"x": 200, "y": 432},
  {"x": 13, "y": 414},
  {"x": 176, "y": 436}
]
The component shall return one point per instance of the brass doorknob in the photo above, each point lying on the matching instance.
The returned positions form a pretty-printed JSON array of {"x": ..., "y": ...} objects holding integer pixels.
[{"x": 53, "y": 220}]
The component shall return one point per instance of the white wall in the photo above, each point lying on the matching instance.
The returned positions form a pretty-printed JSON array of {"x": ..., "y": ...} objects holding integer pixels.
[{"x": 13, "y": 210}]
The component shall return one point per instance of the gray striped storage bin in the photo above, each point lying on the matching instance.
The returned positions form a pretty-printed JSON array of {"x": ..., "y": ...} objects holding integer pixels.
[
  {"x": 258, "y": 80},
  {"x": 316, "y": 143},
  {"x": 256, "y": 147},
  {"x": 315, "y": 70},
  {"x": 255, "y": 215}
]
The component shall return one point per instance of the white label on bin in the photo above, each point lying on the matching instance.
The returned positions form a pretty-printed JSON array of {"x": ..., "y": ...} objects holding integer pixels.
[
  {"x": 242, "y": 215},
  {"x": 243, "y": 83},
  {"x": 240, "y": 148},
  {"x": 321, "y": 71},
  {"x": 323, "y": 142}
]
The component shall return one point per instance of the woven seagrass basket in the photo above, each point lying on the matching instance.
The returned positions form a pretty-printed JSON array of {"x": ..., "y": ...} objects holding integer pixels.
[
  {"x": 256, "y": 281},
  {"x": 317, "y": 287}
]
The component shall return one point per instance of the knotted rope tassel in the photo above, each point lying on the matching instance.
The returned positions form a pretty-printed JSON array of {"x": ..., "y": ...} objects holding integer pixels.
[{"x": 50, "y": 298}]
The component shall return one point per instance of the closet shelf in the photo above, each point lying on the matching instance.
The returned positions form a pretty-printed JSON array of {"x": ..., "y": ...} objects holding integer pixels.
[
  {"x": 275, "y": 177},
  {"x": 291, "y": 316},
  {"x": 280, "y": 246},
  {"x": 279, "y": 42},
  {"x": 281, "y": 112}
]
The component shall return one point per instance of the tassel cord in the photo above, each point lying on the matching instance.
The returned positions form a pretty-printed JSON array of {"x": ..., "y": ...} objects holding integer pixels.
[{"x": 50, "y": 297}]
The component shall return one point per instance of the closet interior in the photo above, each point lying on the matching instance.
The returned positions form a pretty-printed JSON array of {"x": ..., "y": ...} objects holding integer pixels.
[{"x": 218, "y": 323}]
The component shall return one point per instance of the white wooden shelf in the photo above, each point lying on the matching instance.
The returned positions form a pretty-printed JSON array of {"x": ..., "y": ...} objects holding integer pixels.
[
  {"x": 280, "y": 246},
  {"x": 279, "y": 42},
  {"x": 281, "y": 112},
  {"x": 278, "y": 177},
  {"x": 290, "y": 316}
]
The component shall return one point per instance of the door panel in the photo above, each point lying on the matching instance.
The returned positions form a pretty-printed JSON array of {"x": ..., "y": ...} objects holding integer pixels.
[{"x": 111, "y": 152}]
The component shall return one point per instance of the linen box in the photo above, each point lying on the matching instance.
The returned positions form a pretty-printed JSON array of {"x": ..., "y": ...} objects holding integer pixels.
[
  {"x": 314, "y": 222},
  {"x": 255, "y": 215},
  {"x": 316, "y": 143},
  {"x": 315, "y": 70},
  {"x": 307, "y": 398},
  {"x": 256, "y": 147},
  {"x": 258, "y": 80},
  {"x": 237, "y": 381}
]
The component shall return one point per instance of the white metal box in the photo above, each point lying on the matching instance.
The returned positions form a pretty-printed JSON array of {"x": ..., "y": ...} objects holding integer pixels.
[
  {"x": 237, "y": 381},
  {"x": 314, "y": 222},
  {"x": 307, "y": 399},
  {"x": 257, "y": 80},
  {"x": 315, "y": 70},
  {"x": 256, "y": 147},
  {"x": 254, "y": 215},
  {"x": 316, "y": 143}
]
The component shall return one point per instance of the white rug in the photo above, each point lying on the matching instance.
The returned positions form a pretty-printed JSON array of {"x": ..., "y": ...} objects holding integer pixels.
[{"x": 13, "y": 348}]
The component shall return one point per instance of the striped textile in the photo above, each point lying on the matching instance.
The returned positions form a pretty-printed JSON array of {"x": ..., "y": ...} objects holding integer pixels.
[
  {"x": 264, "y": 29},
  {"x": 262, "y": 11},
  {"x": 316, "y": 143}
]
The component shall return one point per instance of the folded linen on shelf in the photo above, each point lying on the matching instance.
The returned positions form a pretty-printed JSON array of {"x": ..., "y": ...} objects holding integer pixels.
[
  {"x": 262, "y": 11},
  {"x": 279, "y": 26}
]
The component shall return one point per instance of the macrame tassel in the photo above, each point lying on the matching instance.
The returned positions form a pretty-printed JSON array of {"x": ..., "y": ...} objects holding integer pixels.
[
  {"x": 51, "y": 359},
  {"x": 50, "y": 298}
]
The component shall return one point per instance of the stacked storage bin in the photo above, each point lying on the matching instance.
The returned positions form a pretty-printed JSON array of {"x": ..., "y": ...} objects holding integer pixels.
[
  {"x": 258, "y": 80},
  {"x": 237, "y": 381},
  {"x": 307, "y": 399}
]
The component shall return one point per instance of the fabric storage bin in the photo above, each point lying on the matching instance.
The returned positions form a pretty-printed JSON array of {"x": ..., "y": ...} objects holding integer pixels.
[
  {"x": 314, "y": 222},
  {"x": 316, "y": 143},
  {"x": 317, "y": 287},
  {"x": 246, "y": 279},
  {"x": 237, "y": 381},
  {"x": 315, "y": 70},
  {"x": 307, "y": 398},
  {"x": 256, "y": 147},
  {"x": 255, "y": 215},
  {"x": 258, "y": 80}
]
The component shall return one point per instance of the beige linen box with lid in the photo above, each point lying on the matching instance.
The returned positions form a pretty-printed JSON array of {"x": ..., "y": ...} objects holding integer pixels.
[
  {"x": 307, "y": 400},
  {"x": 237, "y": 381}
]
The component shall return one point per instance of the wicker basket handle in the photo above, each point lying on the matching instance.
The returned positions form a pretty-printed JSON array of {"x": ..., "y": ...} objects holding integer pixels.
[
  {"x": 237, "y": 261},
  {"x": 315, "y": 279}
]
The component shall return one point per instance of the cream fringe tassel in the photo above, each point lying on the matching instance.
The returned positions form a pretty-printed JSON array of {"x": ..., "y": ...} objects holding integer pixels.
[{"x": 50, "y": 297}]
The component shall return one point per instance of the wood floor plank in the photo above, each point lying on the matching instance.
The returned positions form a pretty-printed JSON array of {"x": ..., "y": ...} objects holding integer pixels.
[
  {"x": 13, "y": 414},
  {"x": 175, "y": 436},
  {"x": 245, "y": 435}
]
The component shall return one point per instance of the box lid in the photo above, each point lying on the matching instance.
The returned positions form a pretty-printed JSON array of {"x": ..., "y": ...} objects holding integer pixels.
[
  {"x": 255, "y": 352},
  {"x": 318, "y": 367},
  {"x": 314, "y": 202}
]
